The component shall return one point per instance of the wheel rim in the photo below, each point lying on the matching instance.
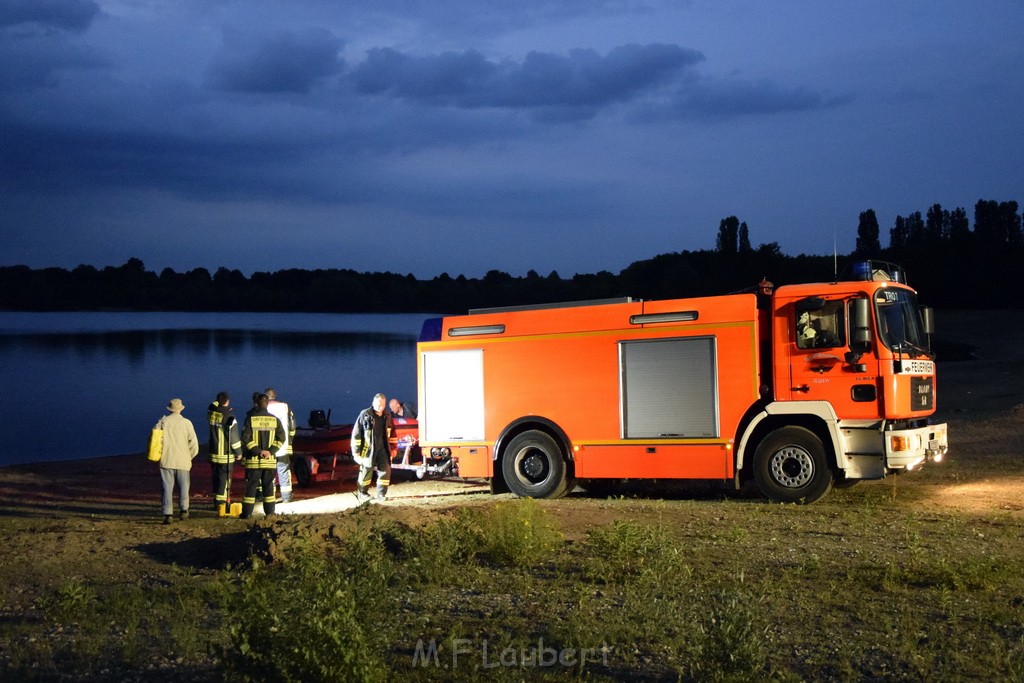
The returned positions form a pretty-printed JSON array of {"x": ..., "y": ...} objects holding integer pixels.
[
  {"x": 792, "y": 467},
  {"x": 532, "y": 465}
]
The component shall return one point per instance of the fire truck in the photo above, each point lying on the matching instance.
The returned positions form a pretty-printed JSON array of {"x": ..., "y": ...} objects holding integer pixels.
[{"x": 796, "y": 389}]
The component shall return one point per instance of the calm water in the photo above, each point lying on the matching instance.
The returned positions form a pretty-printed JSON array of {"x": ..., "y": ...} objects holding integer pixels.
[{"x": 81, "y": 385}]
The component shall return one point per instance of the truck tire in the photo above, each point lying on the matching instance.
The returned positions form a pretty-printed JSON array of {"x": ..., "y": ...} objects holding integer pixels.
[
  {"x": 533, "y": 466},
  {"x": 790, "y": 466}
]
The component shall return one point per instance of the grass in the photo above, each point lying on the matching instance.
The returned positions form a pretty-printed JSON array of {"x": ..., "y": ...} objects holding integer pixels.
[{"x": 866, "y": 585}]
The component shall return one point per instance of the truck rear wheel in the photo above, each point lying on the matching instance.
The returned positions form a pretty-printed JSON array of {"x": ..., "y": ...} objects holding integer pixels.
[
  {"x": 790, "y": 466},
  {"x": 533, "y": 466}
]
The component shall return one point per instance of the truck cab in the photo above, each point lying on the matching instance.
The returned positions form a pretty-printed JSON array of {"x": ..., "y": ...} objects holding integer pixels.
[{"x": 855, "y": 353}]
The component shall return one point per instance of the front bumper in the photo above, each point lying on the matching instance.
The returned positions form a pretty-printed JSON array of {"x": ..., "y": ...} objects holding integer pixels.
[{"x": 906, "y": 449}]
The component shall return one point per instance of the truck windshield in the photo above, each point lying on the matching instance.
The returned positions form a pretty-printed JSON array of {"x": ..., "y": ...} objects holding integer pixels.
[{"x": 899, "y": 323}]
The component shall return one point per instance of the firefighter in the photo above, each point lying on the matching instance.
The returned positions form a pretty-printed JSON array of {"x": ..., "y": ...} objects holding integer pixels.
[
  {"x": 225, "y": 448},
  {"x": 262, "y": 437},
  {"x": 283, "y": 413},
  {"x": 371, "y": 448},
  {"x": 805, "y": 331}
]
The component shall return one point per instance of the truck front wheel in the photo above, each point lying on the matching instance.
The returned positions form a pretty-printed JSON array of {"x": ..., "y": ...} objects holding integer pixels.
[
  {"x": 533, "y": 466},
  {"x": 790, "y": 466}
]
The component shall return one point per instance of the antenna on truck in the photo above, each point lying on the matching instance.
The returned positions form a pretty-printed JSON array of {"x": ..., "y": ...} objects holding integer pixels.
[{"x": 835, "y": 256}]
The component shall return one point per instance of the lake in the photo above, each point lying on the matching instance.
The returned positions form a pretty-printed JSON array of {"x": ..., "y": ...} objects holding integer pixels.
[{"x": 82, "y": 385}]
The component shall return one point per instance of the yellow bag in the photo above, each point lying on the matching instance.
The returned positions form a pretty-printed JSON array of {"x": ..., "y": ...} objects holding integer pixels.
[{"x": 156, "y": 445}]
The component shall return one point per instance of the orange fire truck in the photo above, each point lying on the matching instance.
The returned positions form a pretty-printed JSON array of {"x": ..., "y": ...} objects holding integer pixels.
[{"x": 797, "y": 389}]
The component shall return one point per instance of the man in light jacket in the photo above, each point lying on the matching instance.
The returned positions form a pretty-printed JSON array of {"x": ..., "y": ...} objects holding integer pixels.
[
  {"x": 180, "y": 447},
  {"x": 283, "y": 412}
]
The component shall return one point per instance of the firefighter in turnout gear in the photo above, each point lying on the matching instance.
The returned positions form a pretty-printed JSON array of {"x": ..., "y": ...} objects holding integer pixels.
[
  {"x": 372, "y": 434},
  {"x": 225, "y": 448},
  {"x": 262, "y": 437}
]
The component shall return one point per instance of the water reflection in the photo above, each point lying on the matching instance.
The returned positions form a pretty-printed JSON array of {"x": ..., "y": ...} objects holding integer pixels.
[{"x": 101, "y": 390}]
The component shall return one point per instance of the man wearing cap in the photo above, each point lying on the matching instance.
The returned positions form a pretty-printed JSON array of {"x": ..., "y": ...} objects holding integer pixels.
[{"x": 180, "y": 447}]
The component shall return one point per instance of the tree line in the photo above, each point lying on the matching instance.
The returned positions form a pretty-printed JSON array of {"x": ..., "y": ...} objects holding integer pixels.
[{"x": 950, "y": 263}]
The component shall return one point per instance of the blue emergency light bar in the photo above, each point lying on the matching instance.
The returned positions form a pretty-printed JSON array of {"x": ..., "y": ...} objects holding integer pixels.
[{"x": 877, "y": 271}]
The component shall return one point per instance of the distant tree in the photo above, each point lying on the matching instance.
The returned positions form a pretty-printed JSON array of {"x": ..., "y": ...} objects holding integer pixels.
[
  {"x": 898, "y": 234},
  {"x": 494, "y": 277},
  {"x": 223, "y": 276},
  {"x": 985, "y": 220},
  {"x": 744, "y": 239},
  {"x": 997, "y": 223},
  {"x": 867, "y": 235},
  {"x": 134, "y": 265},
  {"x": 915, "y": 228},
  {"x": 936, "y": 224},
  {"x": 1009, "y": 221},
  {"x": 959, "y": 228},
  {"x": 728, "y": 235}
]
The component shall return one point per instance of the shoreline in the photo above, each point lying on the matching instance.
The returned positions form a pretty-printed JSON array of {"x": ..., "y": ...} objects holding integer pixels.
[{"x": 122, "y": 484}]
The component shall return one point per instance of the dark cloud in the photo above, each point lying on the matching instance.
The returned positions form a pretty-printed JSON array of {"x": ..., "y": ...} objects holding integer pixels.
[
  {"x": 37, "y": 158},
  {"x": 575, "y": 84},
  {"x": 34, "y": 62},
  {"x": 33, "y": 43},
  {"x": 68, "y": 15},
  {"x": 285, "y": 62},
  {"x": 716, "y": 100}
]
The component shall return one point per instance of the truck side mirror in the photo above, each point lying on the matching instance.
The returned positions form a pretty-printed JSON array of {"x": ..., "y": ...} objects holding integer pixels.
[
  {"x": 928, "y": 320},
  {"x": 860, "y": 325}
]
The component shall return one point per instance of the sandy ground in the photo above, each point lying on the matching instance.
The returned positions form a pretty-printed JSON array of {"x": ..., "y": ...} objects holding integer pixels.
[{"x": 100, "y": 518}]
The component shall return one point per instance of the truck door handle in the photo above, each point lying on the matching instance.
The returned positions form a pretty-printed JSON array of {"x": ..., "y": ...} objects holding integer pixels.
[{"x": 803, "y": 387}]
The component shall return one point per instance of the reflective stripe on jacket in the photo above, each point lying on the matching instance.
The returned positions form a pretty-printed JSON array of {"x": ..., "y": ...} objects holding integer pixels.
[
  {"x": 225, "y": 442},
  {"x": 262, "y": 432}
]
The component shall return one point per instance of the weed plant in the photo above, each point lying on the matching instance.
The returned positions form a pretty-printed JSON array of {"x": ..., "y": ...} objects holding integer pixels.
[{"x": 297, "y": 622}]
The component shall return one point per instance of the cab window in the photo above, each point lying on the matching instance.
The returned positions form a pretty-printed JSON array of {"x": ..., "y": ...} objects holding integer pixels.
[{"x": 821, "y": 329}]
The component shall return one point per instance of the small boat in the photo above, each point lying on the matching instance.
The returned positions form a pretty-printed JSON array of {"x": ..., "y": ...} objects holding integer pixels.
[
  {"x": 316, "y": 449},
  {"x": 319, "y": 449},
  {"x": 321, "y": 437}
]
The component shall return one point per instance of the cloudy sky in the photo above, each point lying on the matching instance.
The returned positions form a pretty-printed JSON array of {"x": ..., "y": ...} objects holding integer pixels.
[{"x": 462, "y": 136}]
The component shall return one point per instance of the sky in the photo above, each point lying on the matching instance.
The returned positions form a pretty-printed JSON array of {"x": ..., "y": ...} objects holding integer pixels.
[{"x": 462, "y": 136}]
